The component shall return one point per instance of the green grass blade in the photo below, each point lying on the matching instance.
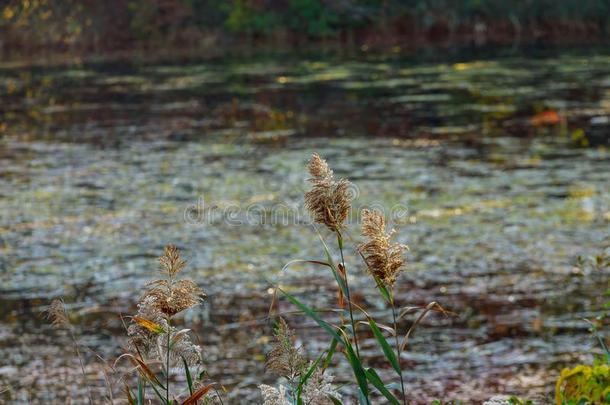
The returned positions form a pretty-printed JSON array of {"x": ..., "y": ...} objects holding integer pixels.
[
  {"x": 161, "y": 397},
  {"x": 373, "y": 377},
  {"x": 330, "y": 354},
  {"x": 359, "y": 372},
  {"x": 335, "y": 401},
  {"x": 305, "y": 377},
  {"x": 141, "y": 390},
  {"x": 385, "y": 293},
  {"x": 312, "y": 314},
  {"x": 189, "y": 378},
  {"x": 387, "y": 349},
  {"x": 333, "y": 268}
]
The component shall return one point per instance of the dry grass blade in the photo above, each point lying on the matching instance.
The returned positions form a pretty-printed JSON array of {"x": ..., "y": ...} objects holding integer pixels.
[
  {"x": 130, "y": 399},
  {"x": 408, "y": 310},
  {"x": 430, "y": 307},
  {"x": 387, "y": 328},
  {"x": 197, "y": 395},
  {"x": 340, "y": 296},
  {"x": 142, "y": 368},
  {"x": 274, "y": 304}
]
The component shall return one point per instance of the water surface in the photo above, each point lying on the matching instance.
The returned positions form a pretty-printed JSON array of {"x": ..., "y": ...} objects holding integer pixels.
[{"x": 480, "y": 162}]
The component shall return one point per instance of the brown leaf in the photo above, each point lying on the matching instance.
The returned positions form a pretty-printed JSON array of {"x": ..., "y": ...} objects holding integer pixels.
[
  {"x": 146, "y": 371},
  {"x": 130, "y": 399},
  {"x": 341, "y": 298},
  {"x": 197, "y": 395}
]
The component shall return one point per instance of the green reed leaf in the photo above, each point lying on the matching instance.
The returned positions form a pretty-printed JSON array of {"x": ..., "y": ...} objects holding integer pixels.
[
  {"x": 340, "y": 281},
  {"x": 312, "y": 314},
  {"x": 385, "y": 293},
  {"x": 187, "y": 372},
  {"x": 141, "y": 390},
  {"x": 387, "y": 349},
  {"x": 305, "y": 377},
  {"x": 359, "y": 372},
  {"x": 335, "y": 401},
  {"x": 331, "y": 352},
  {"x": 374, "y": 378}
]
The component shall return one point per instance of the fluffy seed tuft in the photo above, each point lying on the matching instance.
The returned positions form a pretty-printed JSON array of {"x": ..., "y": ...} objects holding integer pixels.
[
  {"x": 285, "y": 359},
  {"x": 385, "y": 260},
  {"x": 56, "y": 313},
  {"x": 328, "y": 201}
]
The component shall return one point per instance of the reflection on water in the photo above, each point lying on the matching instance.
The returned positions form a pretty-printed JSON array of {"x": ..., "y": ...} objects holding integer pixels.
[{"x": 100, "y": 163}]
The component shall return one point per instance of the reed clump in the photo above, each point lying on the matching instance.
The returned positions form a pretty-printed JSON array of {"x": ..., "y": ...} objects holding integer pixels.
[
  {"x": 329, "y": 204},
  {"x": 159, "y": 346}
]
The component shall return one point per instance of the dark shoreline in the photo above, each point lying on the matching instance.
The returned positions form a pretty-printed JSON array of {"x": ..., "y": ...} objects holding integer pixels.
[{"x": 425, "y": 51}]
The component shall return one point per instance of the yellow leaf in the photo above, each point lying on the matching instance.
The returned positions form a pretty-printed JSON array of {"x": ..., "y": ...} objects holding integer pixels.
[{"x": 150, "y": 325}]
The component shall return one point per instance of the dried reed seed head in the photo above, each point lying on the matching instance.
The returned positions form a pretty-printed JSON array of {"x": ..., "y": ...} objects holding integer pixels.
[
  {"x": 56, "y": 313},
  {"x": 385, "y": 260},
  {"x": 318, "y": 168},
  {"x": 172, "y": 297},
  {"x": 140, "y": 337},
  {"x": 182, "y": 347},
  {"x": 373, "y": 224},
  {"x": 274, "y": 396},
  {"x": 328, "y": 201},
  {"x": 171, "y": 263},
  {"x": 319, "y": 389},
  {"x": 285, "y": 359}
]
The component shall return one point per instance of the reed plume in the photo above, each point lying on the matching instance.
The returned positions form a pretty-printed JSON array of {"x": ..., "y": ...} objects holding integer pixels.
[
  {"x": 163, "y": 299},
  {"x": 285, "y": 359},
  {"x": 328, "y": 201},
  {"x": 289, "y": 361},
  {"x": 274, "y": 396},
  {"x": 152, "y": 335},
  {"x": 317, "y": 391},
  {"x": 57, "y": 314},
  {"x": 320, "y": 389},
  {"x": 384, "y": 259},
  {"x": 169, "y": 295}
]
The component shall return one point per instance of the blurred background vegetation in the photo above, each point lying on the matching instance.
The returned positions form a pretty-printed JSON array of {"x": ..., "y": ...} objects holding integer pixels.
[{"x": 89, "y": 26}]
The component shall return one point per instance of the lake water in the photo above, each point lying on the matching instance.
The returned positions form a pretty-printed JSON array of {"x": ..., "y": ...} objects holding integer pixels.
[{"x": 490, "y": 169}]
